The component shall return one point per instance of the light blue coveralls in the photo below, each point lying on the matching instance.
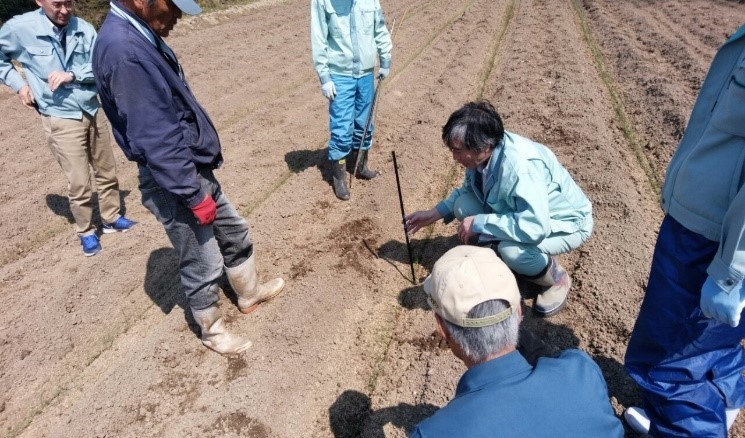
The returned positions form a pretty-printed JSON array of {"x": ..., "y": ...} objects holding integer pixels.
[{"x": 347, "y": 36}]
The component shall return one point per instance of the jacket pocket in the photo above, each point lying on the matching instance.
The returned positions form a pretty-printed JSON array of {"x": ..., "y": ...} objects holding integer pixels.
[
  {"x": 566, "y": 226},
  {"x": 44, "y": 60},
  {"x": 366, "y": 25},
  {"x": 81, "y": 48},
  {"x": 338, "y": 17},
  {"x": 729, "y": 112},
  {"x": 40, "y": 50}
]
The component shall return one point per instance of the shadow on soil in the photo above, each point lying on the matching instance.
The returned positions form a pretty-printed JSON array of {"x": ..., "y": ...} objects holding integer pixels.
[
  {"x": 424, "y": 252},
  {"x": 162, "y": 281},
  {"x": 163, "y": 285},
  {"x": 298, "y": 161},
  {"x": 352, "y": 415},
  {"x": 60, "y": 205}
]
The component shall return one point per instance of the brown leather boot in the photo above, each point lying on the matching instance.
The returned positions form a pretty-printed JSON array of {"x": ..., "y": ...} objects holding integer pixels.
[
  {"x": 552, "y": 300},
  {"x": 250, "y": 292}
]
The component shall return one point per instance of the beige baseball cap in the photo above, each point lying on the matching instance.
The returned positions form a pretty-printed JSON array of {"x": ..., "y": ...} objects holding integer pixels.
[{"x": 468, "y": 275}]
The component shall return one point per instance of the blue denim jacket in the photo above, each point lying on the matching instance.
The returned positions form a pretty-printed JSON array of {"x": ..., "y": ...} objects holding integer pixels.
[
  {"x": 29, "y": 39},
  {"x": 703, "y": 188}
]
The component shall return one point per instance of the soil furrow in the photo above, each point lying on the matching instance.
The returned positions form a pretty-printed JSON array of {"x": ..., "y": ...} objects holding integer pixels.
[{"x": 651, "y": 50}]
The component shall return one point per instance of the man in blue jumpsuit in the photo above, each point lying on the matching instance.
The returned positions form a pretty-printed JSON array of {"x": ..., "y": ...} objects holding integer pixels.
[
  {"x": 685, "y": 351},
  {"x": 347, "y": 36}
]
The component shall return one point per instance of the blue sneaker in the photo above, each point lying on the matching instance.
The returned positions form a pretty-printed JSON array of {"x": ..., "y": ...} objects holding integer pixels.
[
  {"x": 91, "y": 246},
  {"x": 120, "y": 225}
]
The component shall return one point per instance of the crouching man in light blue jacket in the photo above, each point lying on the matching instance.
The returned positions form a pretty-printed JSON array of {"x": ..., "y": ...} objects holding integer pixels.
[{"x": 516, "y": 198}]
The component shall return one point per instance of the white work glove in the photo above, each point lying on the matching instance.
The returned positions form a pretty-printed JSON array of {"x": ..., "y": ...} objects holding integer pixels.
[
  {"x": 329, "y": 90},
  {"x": 383, "y": 73},
  {"x": 721, "y": 305}
]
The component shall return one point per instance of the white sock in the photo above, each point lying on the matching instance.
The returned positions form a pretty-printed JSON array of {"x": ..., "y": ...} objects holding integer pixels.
[{"x": 731, "y": 416}]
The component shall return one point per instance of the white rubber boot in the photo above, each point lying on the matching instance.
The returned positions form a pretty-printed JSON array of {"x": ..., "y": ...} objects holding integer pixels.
[
  {"x": 214, "y": 335},
  {"x": 245, "y": 283}
]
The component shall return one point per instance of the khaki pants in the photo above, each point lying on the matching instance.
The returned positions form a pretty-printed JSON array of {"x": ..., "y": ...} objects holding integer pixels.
[{"x": 78, "y": 146}]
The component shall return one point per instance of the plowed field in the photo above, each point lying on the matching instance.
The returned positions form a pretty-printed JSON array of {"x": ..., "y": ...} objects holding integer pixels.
[{"x": 102, "y": 346}]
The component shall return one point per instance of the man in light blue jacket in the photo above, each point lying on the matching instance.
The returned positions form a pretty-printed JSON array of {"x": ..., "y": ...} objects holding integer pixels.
[
  {"x": 54, "y": 47},
  {"x": 347, "y": 37},
  {"x": 685, "y": 350},
  {"x": 516, "y": 198}
]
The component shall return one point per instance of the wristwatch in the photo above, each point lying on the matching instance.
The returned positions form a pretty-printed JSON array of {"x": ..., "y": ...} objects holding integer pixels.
[{"x": 73, "y": 76}]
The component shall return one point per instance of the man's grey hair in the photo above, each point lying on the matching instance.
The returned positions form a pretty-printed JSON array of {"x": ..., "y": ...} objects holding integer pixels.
[
  {"x": 476, "y": 126},
  {"x": 478, "y": 343}
]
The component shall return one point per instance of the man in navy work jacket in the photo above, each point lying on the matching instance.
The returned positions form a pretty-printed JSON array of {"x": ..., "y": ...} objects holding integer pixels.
[
  {"x": 685, "y": 350},
  {"x": 159, "y": 124},
  {"x": 477, "y": 308},
  {"x": 54, "y": 48}
]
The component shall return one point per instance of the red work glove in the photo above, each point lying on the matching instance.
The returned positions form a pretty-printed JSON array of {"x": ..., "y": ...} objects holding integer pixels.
[{"x": 205, "y": 211}]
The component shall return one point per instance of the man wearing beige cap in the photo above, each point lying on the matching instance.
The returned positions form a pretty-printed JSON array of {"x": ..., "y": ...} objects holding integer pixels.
[{"x": 477, "y": 308}]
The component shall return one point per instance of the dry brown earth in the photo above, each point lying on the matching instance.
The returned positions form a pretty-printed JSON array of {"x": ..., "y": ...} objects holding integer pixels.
[{"x": 102, "y": 346}]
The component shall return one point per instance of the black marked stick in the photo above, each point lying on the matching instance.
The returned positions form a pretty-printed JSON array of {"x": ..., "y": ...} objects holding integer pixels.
[{"x": 403, "y": 217}]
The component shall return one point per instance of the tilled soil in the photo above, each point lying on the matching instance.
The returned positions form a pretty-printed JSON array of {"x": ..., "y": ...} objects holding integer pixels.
[{"x": 102, "y": 346}]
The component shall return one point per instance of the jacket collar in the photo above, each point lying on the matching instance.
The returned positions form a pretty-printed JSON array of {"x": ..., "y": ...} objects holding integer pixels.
[
  {"x": 72, "y": 31},
  {"x": 143, "y": 28},
  {"x": 739, "y": 34},
  {"x": 505, "y": 369},
  {"x": 46, "y": 27}
]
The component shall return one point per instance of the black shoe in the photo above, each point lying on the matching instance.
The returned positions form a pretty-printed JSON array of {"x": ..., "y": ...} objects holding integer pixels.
[{"x": 340, "y": 181}]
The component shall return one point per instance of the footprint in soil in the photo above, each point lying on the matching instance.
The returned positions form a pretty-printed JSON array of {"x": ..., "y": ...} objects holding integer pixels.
[{"x": 237, "y": 424}]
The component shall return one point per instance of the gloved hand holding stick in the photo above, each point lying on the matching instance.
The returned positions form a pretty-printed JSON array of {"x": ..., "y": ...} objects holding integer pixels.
[{"x": 403, "y": 217}]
